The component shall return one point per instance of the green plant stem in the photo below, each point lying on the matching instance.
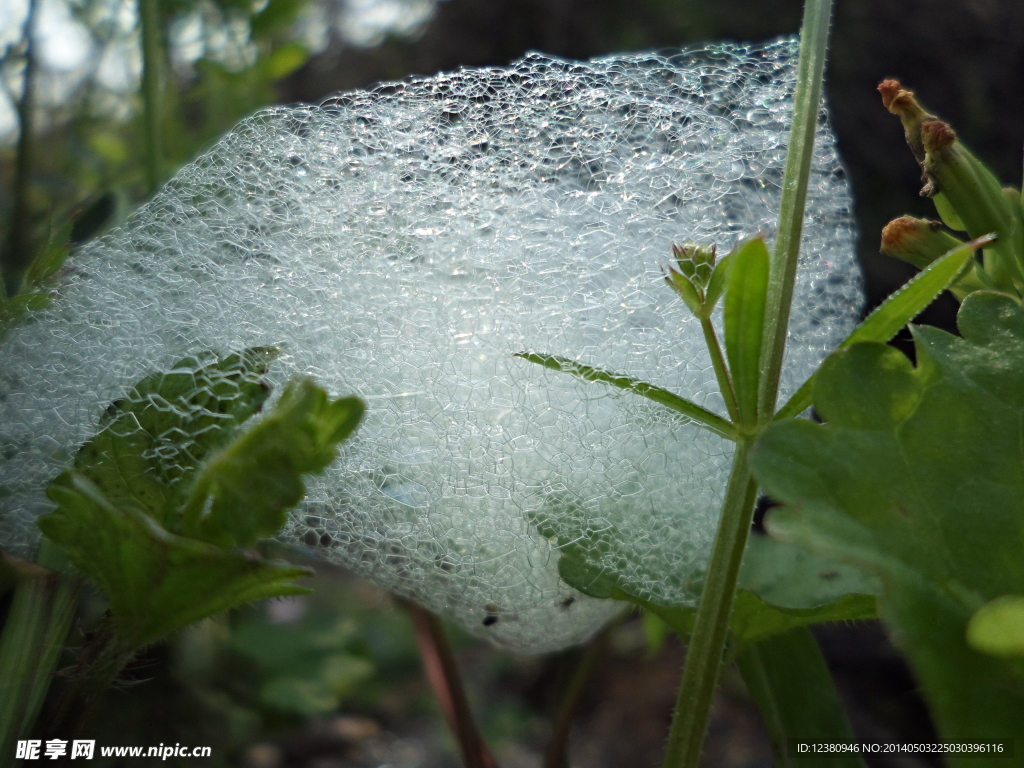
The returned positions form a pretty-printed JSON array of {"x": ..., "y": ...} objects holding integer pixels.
[
  {"x": 721, "y": 369},
  {"x": 152, "y": 61},
  {"x": 37, "y": 625},
  {"x": 18, "y": 254},
  {"x": 554, "y": 756},
  {"x": 711, "y": 624},
  {"x": 443, "y": 674},
  {"x": 806, "y": 103}
]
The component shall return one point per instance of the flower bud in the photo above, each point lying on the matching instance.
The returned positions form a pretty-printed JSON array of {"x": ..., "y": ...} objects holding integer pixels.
[
  {"x": 920, "y": 242},
  {"x": 902, "y": 103},
  {"x": 696, "y": 266},
  {"x": 977, "y": 197},
  {"x": 916, "y": 241}
]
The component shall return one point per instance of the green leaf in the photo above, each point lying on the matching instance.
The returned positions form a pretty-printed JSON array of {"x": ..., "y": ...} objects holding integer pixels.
[
  {"x": 159, "y": 502},
  {"x": 152, "y": 441},
  {"x": 788, "y": 679},
  {"x": 243, "y": 493},
  {"x": 754, "y": 620},
  {"x": 691, "y": 411},
  {"x": 156, "y": 582},
  {"x": 896, "y": 311},
  {"x": 285, "y": 59},
  {"x": 716, "y": 286},
  {"x": 919, "y": 478},
  {"x": 304, "y": 667},
  {"x": 781, "y": 587},
  {"x": 746, "y": 296},
  {"x": 787, "y": 576},
  {"x": 997, "y": 627}
]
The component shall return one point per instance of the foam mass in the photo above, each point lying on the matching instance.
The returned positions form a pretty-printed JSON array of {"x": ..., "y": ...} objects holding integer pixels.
[{"x": 401, "y": 244}]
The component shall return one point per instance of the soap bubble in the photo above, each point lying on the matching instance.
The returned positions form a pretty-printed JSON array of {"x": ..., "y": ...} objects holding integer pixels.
[{"x": 402, "y": 244}]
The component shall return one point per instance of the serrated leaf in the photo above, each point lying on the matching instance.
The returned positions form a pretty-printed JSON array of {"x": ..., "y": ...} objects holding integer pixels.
[
  {"x": 244, "y": 492},
  {"x": 919, "y": 478},
  {"x": 896, "y": 311},
  {"x": 152, "y": 441},
  {"x": 156, "y": 582},
  {"x": 691, "y": 411},
  {"x": 746, "y": 297},
  {"x": 781, "y": 588}
]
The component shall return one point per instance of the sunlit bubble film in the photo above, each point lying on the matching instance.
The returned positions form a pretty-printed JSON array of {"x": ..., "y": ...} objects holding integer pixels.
[{"x": 402, "y": 244}]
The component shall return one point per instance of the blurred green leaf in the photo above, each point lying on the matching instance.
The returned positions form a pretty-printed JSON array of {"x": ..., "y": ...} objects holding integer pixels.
[
  {"x": 997, "y": 627},
  {"x": 918, "y": 477},
  {"x": 284, "y": 60},
  {"x": 174, "y": 441},
  {"x": 156, "y": 582},
  {"x": 276, "y": 17},
  {"x": 746, "y": 297},
  {"x": 788, "y": 679},
  {"x": 306, "y": 667}
]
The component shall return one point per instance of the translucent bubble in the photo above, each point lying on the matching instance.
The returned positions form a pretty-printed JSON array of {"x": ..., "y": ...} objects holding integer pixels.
[{"x": 403, "y": 244}]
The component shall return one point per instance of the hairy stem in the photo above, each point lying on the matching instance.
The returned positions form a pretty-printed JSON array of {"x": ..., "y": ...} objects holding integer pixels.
[
  {"x": 19, "y": 250},
  {"x": 806, "y": 103},
  {"x": 152, "y": 61},
  {"x": 711, "y": 624},
  {"x": 443, "y": 674}
]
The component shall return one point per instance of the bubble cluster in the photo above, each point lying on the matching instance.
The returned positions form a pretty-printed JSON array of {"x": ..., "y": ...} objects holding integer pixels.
[{"x": 402, "y": 244}]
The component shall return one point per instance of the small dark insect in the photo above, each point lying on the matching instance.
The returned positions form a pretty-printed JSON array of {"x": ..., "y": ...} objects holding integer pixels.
[
  {"x": 492, "y": 615},
  {"x": 564, "y": 605},
  {"x": 828, "y": 575}
]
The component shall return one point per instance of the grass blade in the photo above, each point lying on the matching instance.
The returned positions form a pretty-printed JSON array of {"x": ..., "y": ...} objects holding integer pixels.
[
  {"x": 693, "y": 412},
  {"x": 806, "y": 103}
]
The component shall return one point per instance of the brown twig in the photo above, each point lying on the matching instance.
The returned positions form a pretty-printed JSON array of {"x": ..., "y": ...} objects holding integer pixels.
[{"x": 443, "y": 675}]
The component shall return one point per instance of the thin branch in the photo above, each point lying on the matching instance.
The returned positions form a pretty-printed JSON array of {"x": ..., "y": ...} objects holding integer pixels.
[{"x": 443, "y": 674}]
